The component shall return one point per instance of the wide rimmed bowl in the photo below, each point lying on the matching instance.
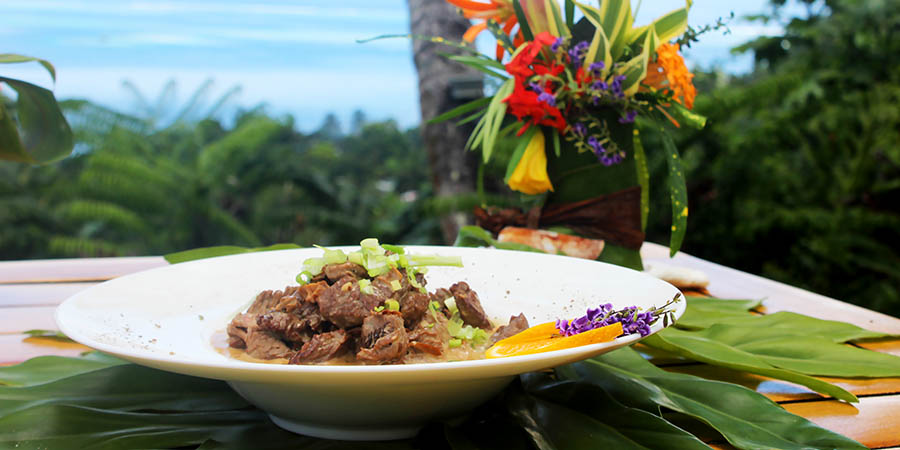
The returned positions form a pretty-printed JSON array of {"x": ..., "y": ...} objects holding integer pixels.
[{"x": 169, "y": 318}]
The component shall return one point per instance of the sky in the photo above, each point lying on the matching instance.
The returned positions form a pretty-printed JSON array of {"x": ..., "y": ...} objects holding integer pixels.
[{"x": 294, "y": 57}]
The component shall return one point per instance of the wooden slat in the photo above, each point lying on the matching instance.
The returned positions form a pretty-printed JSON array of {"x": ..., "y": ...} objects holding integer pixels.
[
  {"x": 15, "y": 320},
  {"x": 874, "y": 421},
  {"x": 19, "y": 347},
  {"x": 891, "y": 346},
  {"x": 781, "y": 391},
  {"x": 39, "y": 294},
  {"x": 76, "y": 269},
  {"x": 726, "y": 282}
]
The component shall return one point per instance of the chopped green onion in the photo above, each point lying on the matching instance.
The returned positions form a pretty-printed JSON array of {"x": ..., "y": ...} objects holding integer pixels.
[
  {"x": 356, "y": 258},
  {"x": 370, "y": 245},
  {"x": 392, "y": 305},
  {"x": 394, "y": 249},
  {"x": 365, "y": 286},
  {"x": 314, "y": 265},
  {"x": 429, "y": 325},
  {"x": 332, "y": 256},
  {"x": 454, "y": 326},
  {"x": 379, "y": 308},
  {"x": 455, "y": 343},
  {"x": 434, "y": 306},
  {"x": 434, "y": 260},
  {"x": 395, "y": 285},
  {"x": 451, "y": 305}
]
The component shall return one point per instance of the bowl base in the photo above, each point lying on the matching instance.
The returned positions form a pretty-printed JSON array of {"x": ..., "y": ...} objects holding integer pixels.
[{"x": 380, "y": 433}]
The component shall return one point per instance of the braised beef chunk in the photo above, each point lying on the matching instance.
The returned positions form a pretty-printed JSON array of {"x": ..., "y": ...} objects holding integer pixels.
[
  {"x": 237, "y": 330},
  {"x": 335, "y": 272},
  {"x": 343, "y": 305},
  {"x": 310, "y": 292},
  {"x": 430, "y": 335},
  {"x": 265, "y": 345},
  {"x": 383, "y": 338},
  {"x": 413, "y": 305},
  {"x": 470, "y": 309},
  {"x": 322, "y": 347},
  {"x": 265, "y": 301},
  {"x": 517, "y": 324}
]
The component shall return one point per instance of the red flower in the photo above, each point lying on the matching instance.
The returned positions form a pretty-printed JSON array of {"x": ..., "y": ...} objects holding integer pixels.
[{"x": 523, "y": 103}]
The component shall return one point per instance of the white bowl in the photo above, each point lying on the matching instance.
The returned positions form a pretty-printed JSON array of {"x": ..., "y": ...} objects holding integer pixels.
[{"x": 167, "y": 317}]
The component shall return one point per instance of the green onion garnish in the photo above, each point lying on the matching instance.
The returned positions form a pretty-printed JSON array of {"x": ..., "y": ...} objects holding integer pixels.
[
  {"x": 455, "y": 343},
  {"x": 392, "y": 305}
]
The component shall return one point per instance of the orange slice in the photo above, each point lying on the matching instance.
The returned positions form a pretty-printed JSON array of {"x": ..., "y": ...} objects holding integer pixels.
[{"x": 545, "y": 337}]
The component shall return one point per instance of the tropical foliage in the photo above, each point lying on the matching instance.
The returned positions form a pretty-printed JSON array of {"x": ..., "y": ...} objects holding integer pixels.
[
  {"x": 797, "y": 175},
  {"x": 133, "y": 189}
]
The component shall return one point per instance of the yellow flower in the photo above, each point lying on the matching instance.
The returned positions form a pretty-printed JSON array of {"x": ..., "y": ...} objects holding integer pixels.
[{"x": 530, "y": 175}]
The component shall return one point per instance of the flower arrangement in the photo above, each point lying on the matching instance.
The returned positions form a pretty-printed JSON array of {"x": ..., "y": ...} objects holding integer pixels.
[{"x": 587, "y": 91}]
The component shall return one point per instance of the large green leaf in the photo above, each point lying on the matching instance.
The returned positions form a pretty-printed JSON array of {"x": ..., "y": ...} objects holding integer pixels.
[
  {"x": 635, "y": 70},
  {"x": 791, "y": 349},
  {"x": 614, "y": 17},
  {"x": 599, "y": 51},
  {"x": 122, "y": 387},
  {"x": 667, "y": 27},
  {"x": 45, "y": 369},
  {"x": 41, "y": 133},
  {"x": 677, "y": 193},
  {"x": 462, "y": 109},
  {"x": 643, "y": 177},
  {"x": 707, "y": 350},
  {"x": 629, "y": 425},
  {"x": 732, "y": 410}
]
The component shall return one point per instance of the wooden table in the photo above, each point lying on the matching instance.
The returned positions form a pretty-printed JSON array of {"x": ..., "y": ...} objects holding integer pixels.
[{"x": 30, "y": 291}]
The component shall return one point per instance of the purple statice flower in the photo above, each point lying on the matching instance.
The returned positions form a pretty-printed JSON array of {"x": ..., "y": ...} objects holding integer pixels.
[
  {"x": 596, "y": 146},
  {"x": 633, "y": 320},
  {"x": 596, "y": 68},
  {"x": 599, "y": 85},
  {"x": 580, "y": 129},
  {"x": 609, "y": 159},
  {"x": 556, "y": 45},
  {"x": 547, "y": 98},
  {"x": 616, "y": 86},
  {"x": 578, "y": 52},
  {"x": 629, "y": 117}
]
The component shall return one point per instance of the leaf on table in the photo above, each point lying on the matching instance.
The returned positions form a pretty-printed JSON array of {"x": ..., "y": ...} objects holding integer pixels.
[
  {"x": 734, "y": 411},
  {"x": 45, "y": 369},
  {"x": 39, "y": 133},
  {"x": 722, "y": 304},
  {"x": 124, "y": 387},
  {"x": 700, "y": 348},
  {"x": 806, "y": 353},
  {"x": 639, "y": 426},
  {"x": 54, "y": 334},
  {"x": 221, "y": 250}
]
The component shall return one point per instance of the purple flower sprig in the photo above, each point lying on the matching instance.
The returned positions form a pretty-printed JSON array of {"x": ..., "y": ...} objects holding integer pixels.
[{"x": 633, "y": 320}]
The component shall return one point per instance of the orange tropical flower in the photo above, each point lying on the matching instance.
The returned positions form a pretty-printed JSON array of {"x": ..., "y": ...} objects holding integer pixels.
[
  {"x": 500, "y": 10},
  {"x": 669, "y": 71}
]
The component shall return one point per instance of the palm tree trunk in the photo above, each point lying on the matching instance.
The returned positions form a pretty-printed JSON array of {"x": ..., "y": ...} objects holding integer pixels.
[{"x": 453, "y": 170}]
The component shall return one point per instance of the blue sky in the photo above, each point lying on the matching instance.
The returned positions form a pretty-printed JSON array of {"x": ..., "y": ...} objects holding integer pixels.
[{"x": 297, "y": 58}]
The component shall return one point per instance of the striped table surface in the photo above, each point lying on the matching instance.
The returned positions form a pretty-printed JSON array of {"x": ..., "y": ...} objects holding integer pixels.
[{"x": 30, "y": 291}]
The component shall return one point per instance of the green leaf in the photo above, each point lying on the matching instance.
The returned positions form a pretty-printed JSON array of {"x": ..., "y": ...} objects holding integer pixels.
[
  {"x": 518, "y": 151},
  {"x": 222, "y": 250},
  {"x": 732, "y": 410},
  {"x": 570, "y": 14},
  {"x": 482, "y": 65},
  {"x": 55, "y": 334},
  {"x": 621, "y": 256},
  {"x": 700, "y": 348},
  {"x": 677, "y": 193},
  {"x": 494, "y": 118},
  {"x": 555, "y": 19},
  {"x": 667, "y": 27},
  {"x": 462, "y": 109},
  {"x": 635, "y": 70},
  {"x": 614, "y": 18},
  {"x": 475, "y": 236},
  {"x": 792, "y": 349},
  {"x": 686, "y": 116},
  {"x": 643, "y": 177},
  {"x": 556, "y": 147},
  {"x": 45, "y": 135},
  {"x": 104, "y": 388},
  {"x": 599, "y": 51},
  {"x": 523, "y": 20},
  {"x": 636, "y": 425},
  {"x": 721, "y": 304},
  {"x": 45, "y": 369},
  {"x": 701, "y": 316},
  {"x": 11, "y": 58},
  {"x": 502, "y": 38}
]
